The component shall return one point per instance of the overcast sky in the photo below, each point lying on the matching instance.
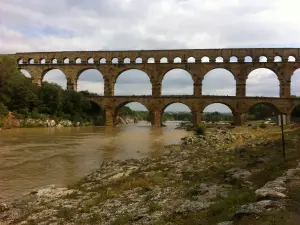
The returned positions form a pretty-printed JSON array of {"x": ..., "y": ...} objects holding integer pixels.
[{"x": 57, "y": 25}]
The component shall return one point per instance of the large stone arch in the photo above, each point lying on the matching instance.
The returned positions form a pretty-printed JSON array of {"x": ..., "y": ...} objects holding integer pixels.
[
  {"x": 270, "y": 104},
  {"x": 146, "y": 71},
  {"x": 90, "y": 79},
  {"x": 295, "y": 83},
  {"x": 229, "y": 105},
  {"x": 140, "y": 81},
  {"x": 60, "y": 81},
  {"x": 177, "y": 79},
  {"x": 174, "y": 102},
  {"x": 258, "y": 78},
  {"x": 26, "y": 73},
  {"x": 217, "y": 88}
]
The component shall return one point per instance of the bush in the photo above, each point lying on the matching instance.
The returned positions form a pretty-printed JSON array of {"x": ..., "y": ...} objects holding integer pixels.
[
  {"x": 3, "y": 109},
  {"x": 262, "y": 125},
  {"x": 200, "y": 129}
]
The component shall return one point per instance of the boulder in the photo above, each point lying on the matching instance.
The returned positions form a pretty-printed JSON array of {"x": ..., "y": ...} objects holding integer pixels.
[
  {"x": 256, "y": 208},
  {"x": 236, "y": 174}
]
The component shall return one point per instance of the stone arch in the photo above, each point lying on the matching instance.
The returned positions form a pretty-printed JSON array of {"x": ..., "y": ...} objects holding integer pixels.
[
  {"x": 54, "y": 75},
  {"x": 178, "y": 81},
  {"x": 31, "y": 61},
  {"x": 132, "y": 81},
  {"x": 114, "y": 60},
  {"x": 267, "y": 110},
  {"x": 219, "y": 59},
  {"x": 191, "y": 60},
  {"x": 138, "y": 105},
  {"x": 218, "y": 111},
  {"x": 54, "y": 61},
  {"x": 263, "y": 59},
  {"x": 177, "y": 60},
  {"x": 66, "y": 60},
  {"x": 226, "y": 84},
  {"x": 26, "y": 73},
  {"x": 248, "y": 59},
  {"x": 295, "y": 113},
  {"x": 257, "y": 80},
  {"x": 20, "y": 61},
  {"x": 102, "y": 61},
  {"x": 291, "y": 58},
  {"x": 126, "y": 60},
  {"x": 138, "y": 60},
  {"x": 90, "y": 80},
  {"x": 42, "y": 61},
  {"x": 205, "y": 59},
  {"x": 295, "y": 83},
  {"x": 176, "y": 110},
  {"x": 90, "y": 60},
  {"x": 164, "y": 60},
  {"x": 151, "y": 60},
  {"x": 277, "y": 58},
  {"x": 233, "y": 59},
  {"x": 78, "y": 60}
]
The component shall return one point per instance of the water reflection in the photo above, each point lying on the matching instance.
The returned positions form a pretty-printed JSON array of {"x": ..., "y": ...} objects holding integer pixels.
[{"x": 32, "y": 158}]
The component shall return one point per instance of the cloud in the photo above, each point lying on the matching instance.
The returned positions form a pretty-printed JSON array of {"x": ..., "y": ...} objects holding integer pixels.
[{"x": 60, "y": 25}]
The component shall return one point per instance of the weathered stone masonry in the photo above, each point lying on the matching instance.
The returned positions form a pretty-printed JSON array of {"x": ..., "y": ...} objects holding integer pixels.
[{"x": 283, "y": 61}]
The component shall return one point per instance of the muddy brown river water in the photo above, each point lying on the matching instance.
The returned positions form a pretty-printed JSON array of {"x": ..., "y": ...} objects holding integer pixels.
[{"x": 35, "y": 157}]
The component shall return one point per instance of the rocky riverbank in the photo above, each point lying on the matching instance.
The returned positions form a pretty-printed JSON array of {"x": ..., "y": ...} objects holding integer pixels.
[{"x": 232, "y": 175}]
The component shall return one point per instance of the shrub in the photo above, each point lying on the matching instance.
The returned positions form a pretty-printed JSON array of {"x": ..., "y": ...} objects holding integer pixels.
[
  {"x": 200, "y": 129},
  {"x": 262, "y": 125},
  {"x": 3, "y": 109}
]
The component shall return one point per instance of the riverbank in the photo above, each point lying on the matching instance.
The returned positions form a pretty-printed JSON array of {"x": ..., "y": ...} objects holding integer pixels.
[{"x": 205, "y": 179}]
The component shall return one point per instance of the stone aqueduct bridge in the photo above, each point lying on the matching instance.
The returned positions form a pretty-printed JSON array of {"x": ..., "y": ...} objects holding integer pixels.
[{"x": 198, "y": 62}]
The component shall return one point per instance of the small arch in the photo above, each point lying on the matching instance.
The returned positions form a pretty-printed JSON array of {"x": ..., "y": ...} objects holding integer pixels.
[
  {"x": 114, "y": 60},
  {"x": 54, "y": 61},
  {"x": 66, "y": 60},
  {"x": 177, "y": 60},
  {"x": 218, "y": 112},
  {"x": 90, "y": 60},
  {"x": 56, "y": 76},
  {"x": 226, "y": 84},
  {"x": 277, "y": 58},
  {"x": 219, "y": 59},
  {"x": 205, "y": 59},
  {"x": 164, "y": 60},
  {"x": 233, "y": 59},
  {"x": 151, "y": 60},
  {"x": 138, "y": 60},
  {"x": 31, "y": 61},
  {"x": 177, "y": 82},
  {"x": 42, "y": 61},
  {"x": 191, "y": 60},
  {"x": 25, "y": 73},
  {"x": 78, "y": 60},
  {"x": 126, "y": 60},
  {"x": 102, "y": 61},
  {"x": 248, "y": 59},
  {"x": 291, "y": 59},
  {"x": 20, "y": 61},
  {"x": 263, "y": 59},
  {"x": 257, "y": 80},
  {"x": 263, "y": 111}
]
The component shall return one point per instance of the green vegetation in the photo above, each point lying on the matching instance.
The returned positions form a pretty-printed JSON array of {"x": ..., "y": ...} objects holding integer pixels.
[
  {"x": 200, "y": 129},
  {"x": 216, "y": 116},
  {"x": 26, "y": 100}
]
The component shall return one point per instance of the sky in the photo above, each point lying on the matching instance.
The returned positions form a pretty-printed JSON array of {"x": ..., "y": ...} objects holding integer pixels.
[{"x": 58, "y": 25}]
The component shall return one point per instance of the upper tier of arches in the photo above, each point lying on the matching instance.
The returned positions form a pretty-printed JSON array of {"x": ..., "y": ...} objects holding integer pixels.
[{"x": 261, "y": 55}]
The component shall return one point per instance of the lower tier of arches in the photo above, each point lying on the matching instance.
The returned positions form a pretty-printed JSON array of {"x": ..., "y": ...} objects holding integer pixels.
[{"x": 240, "y": 107}]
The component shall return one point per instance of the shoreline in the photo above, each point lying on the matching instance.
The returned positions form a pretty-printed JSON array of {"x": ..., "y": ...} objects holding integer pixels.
[{"x": 178, "y": 182}]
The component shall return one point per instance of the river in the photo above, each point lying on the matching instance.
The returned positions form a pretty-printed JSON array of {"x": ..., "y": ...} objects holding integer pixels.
[{"x": 35, "y": 157}]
